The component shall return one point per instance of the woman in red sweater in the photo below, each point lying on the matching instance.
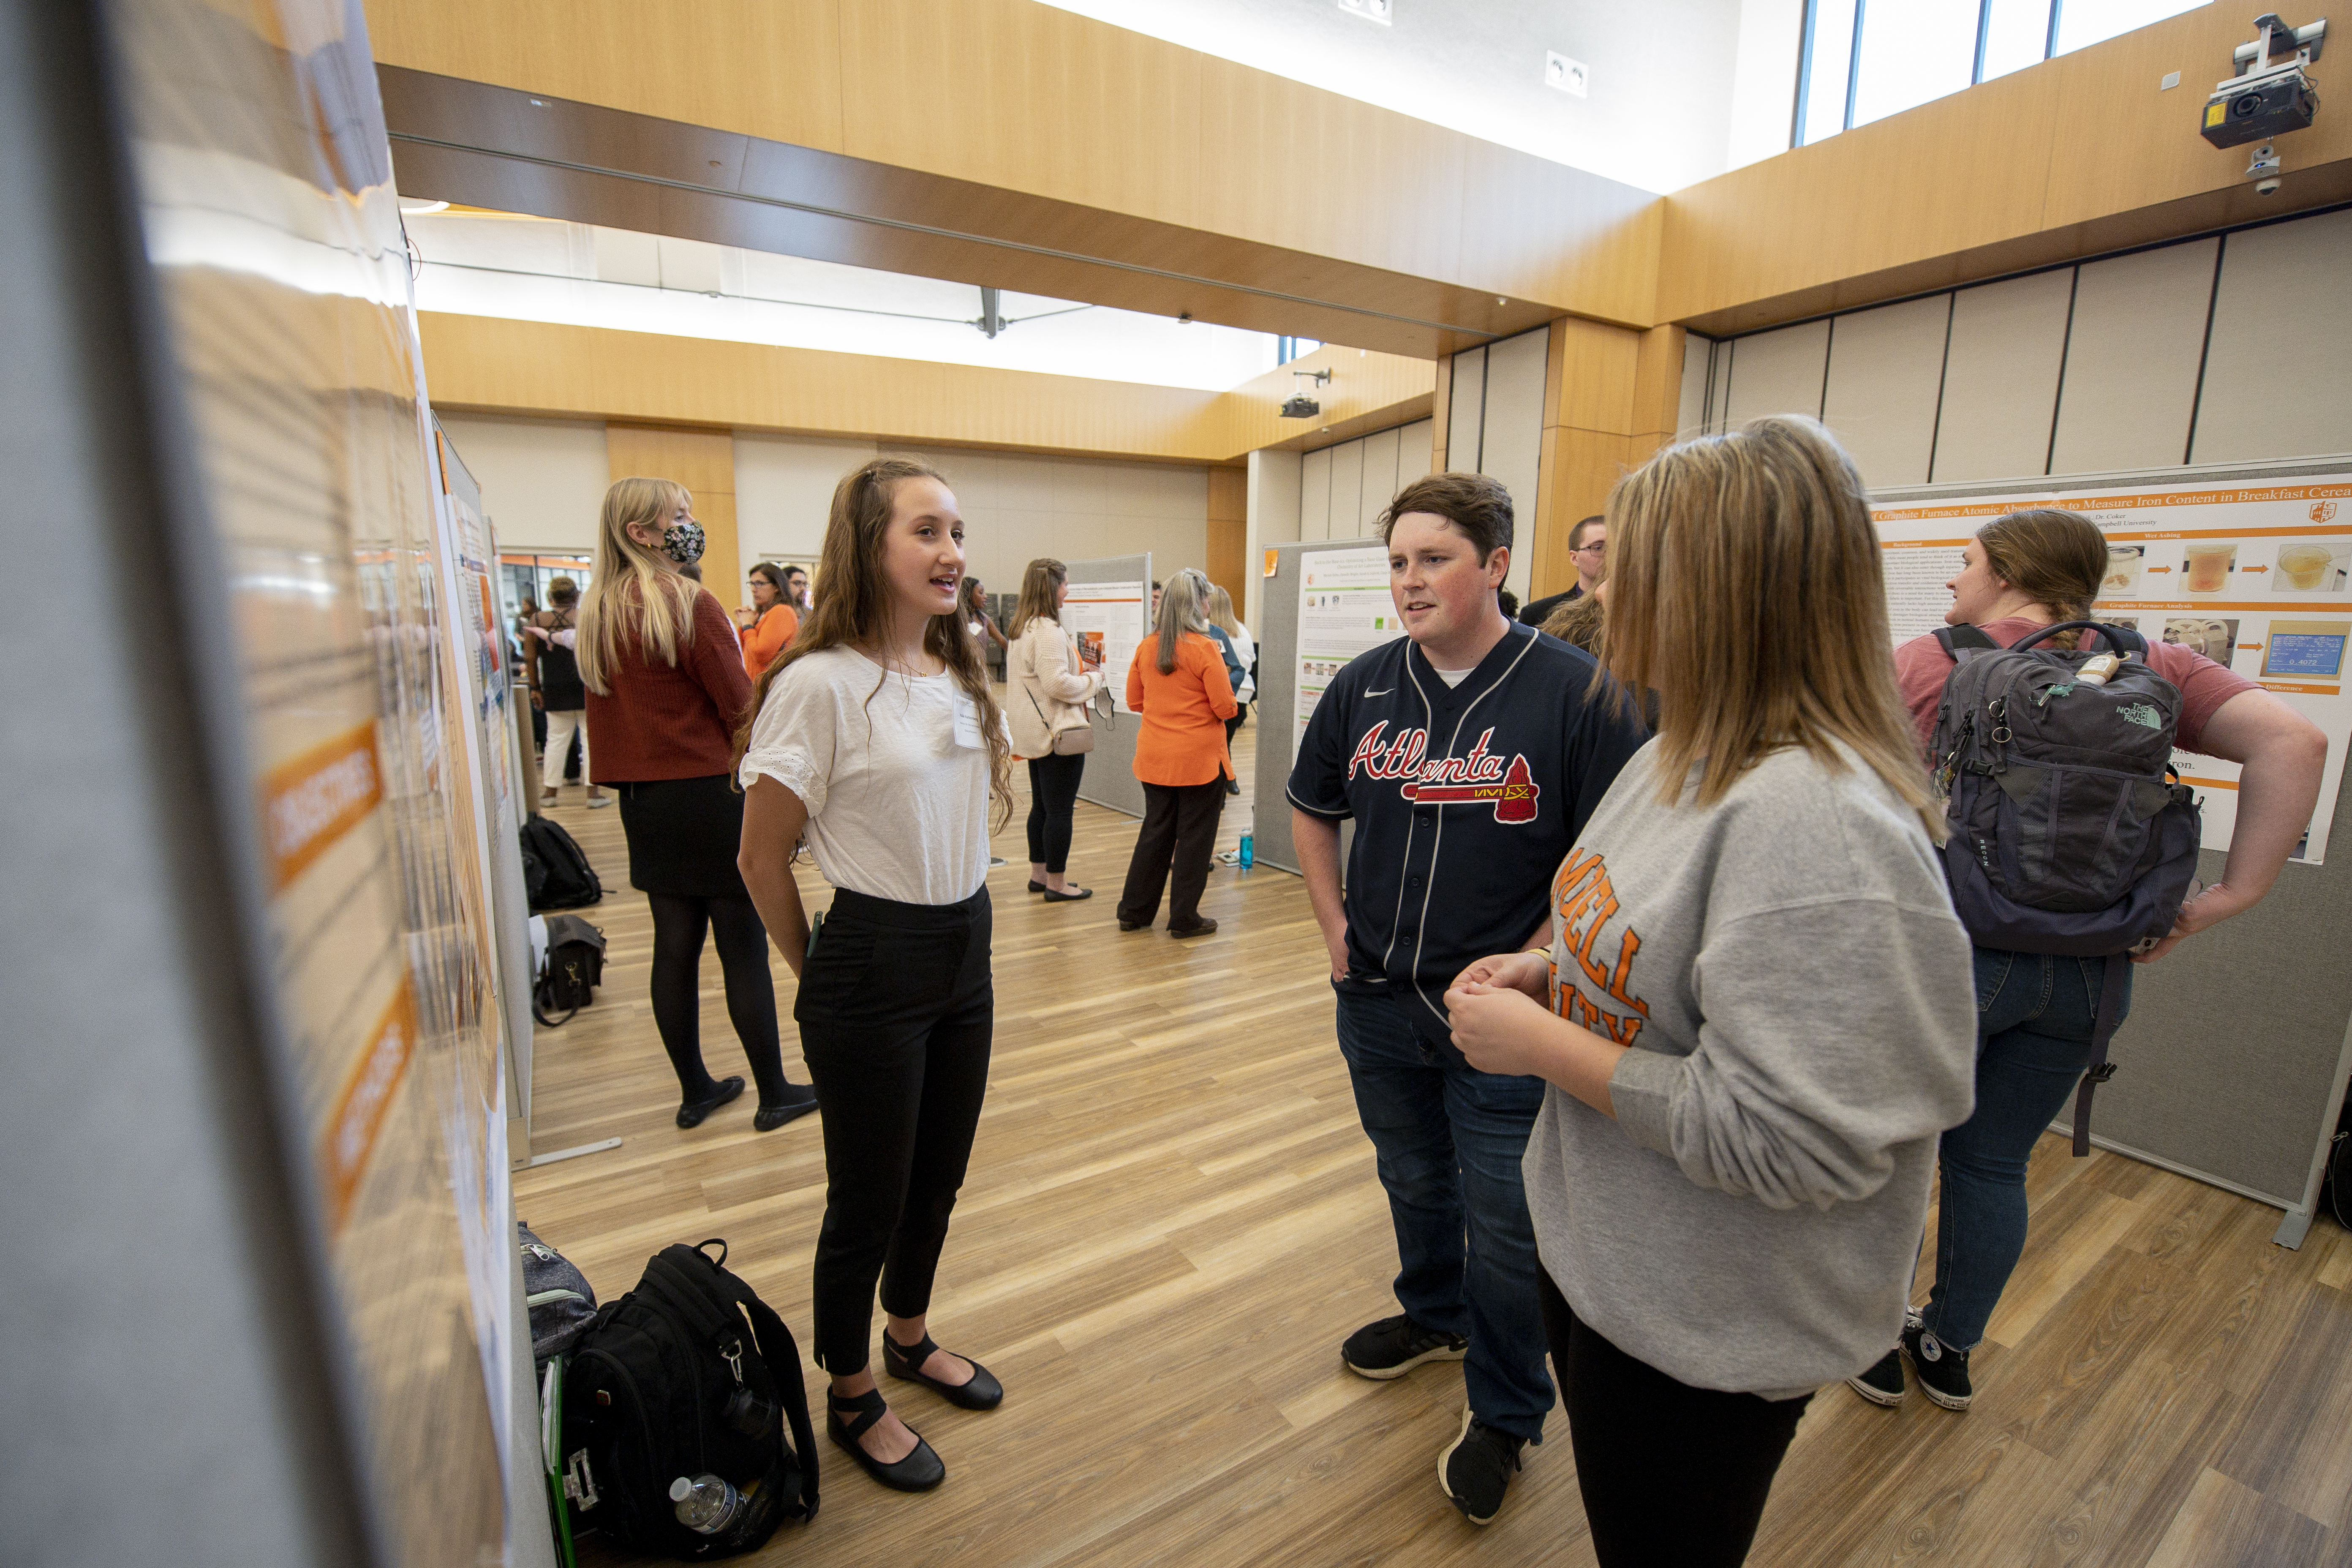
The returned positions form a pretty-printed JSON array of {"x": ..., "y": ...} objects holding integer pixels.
[{"x": 665, "y": 686}]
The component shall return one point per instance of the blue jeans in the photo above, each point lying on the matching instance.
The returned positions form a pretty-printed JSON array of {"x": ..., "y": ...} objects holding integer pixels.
[
  {"x": 2034, "y": 1017},
  {"x": 1449, "y": 1140}
]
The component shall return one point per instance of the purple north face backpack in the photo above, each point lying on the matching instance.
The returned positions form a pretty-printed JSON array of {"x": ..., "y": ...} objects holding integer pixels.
[{"x": 2070, "y": 832}]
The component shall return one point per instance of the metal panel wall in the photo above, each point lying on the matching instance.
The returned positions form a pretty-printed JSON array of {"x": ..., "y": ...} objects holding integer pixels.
[
  {"x": 1778, "y": 372},
  {"x": 1884, "y": 380},
  {"x": 2129, "y": 387},
  {"x": 2000, "y": 378},
  {"x": 2278, "y": 376}
]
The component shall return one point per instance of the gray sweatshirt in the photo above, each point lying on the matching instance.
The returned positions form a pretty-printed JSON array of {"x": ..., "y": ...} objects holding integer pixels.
[{"x": 1802, "y": 1010}]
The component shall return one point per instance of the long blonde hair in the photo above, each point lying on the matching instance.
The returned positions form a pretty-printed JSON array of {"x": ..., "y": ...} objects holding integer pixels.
[
  {"x": 630, "y": 592},
  {"x": 1040, "y": 589},
  {"x": 1221, "y": 611},
  {"x": 855, "y": 613},
  {"x": 1179, "y": 612},
  {"x": 1745, "y": 586}
]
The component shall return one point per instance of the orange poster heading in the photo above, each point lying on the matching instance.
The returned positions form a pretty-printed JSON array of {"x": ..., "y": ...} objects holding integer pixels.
[
  {"x": 360, "y": 1110},
  {"x": 311, "y": 800},
  {"x": 2320, "y": 495}
]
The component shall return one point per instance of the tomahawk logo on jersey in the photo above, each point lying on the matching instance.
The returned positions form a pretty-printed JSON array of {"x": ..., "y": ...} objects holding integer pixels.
[{"x": 1465, "y": 799}]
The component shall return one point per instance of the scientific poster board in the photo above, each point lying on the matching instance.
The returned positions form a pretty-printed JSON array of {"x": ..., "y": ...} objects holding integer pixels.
[
  {"x": 2233, "y": 1061},
  {"x": 2256, "y": 575},
  {"x": 1344, "y": 609},
  {"x": 1112, "y": 599}
]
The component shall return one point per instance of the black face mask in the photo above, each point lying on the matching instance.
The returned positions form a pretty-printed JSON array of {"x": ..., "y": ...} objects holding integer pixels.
[{"x": 682, "y": 542}]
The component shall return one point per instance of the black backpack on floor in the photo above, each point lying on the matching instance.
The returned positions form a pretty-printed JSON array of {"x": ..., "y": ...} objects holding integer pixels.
[
  {"x": 689, "y": 1373},
  {"x": 572, "y": 970},
  {"x": 555, "y": 872}
]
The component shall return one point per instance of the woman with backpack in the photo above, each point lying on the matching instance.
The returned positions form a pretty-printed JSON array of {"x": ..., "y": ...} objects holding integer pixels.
[
  {"x": 877, "y": 740},
  {"x": 1180, "y": 683},
  {"x": 1047, "y": 689},
  {"x": 665, "y": 687},
  {"x": 1752, "y": 1014},
  {"x": 2036, "y": 1013},
  {"x": 554, "y": 673}
]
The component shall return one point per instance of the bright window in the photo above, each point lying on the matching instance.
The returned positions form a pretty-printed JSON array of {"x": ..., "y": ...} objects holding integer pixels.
[
  {"x": 2082, "y": 23},
  {"x": 1913, "y": 51},
  {"x": 2016, "y": 35}
]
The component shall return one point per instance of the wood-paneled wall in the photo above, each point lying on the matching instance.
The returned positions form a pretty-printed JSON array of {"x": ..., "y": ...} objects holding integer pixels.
[
  {"x": 1228, "y": 564},
  {"x": 704, "y": 462},
  {"x": 1610, "y": 398},
  {"x": 489, "y": 365}
]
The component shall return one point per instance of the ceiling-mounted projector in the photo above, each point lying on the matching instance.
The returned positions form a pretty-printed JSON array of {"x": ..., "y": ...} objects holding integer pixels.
[
  {"x": 2269, "y": 96},
  {"x": 1301, "y": 407}
]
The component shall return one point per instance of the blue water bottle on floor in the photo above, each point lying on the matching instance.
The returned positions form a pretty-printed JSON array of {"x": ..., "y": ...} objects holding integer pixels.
[{"x": 1247, "y": 857}]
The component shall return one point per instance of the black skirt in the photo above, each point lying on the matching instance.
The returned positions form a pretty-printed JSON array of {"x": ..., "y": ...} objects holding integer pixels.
[{"x": 684, "y": 835}]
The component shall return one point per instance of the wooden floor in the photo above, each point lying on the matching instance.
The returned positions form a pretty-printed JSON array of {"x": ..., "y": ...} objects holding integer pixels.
[{"x": 1172, "y": 1220}]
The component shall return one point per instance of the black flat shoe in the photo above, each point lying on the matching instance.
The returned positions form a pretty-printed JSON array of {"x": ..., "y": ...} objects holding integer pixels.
[
  {"x": 1054, "y": 898},
  {"x": 691, "y": 1114},
  {"x": 919, "y": 1472},
  {"x": 982, "y": 1393},
  {"x": 1198, "y": 928},
  {"x": 1037, "y": 886},
  {"x": 768, "y": 1118},
  {"x": 1134, "y": 925}
]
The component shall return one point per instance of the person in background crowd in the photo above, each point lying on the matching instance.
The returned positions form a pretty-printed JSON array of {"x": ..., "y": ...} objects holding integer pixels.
[
  {"x": 1155, "y": 601},
  {"x": 2035, "y": 1013},
  {"x": 1236, "y": 672},
  {"x": 977, "y": 620},
  {"x": 553, "y": 674},
  {"x": 1508, "y": 603},
  {"x": 666, "y": 688},
  {"x": 1178, "y": 683},
  {"x": 1580, "y": 621},
  {"x": 1243, "y": 649},
  {"x": 773, "y": 622},
  {"x": 878, "y": 740},
  {"x": 1469, "y": 752},
  {"x": 1729, "y": 1175},
  {"x": 796, "y": 591},
  {"x": 1588, "y": 546},
  {"x": 692, "y": 573},
  {"x": 524, "y": 615},
  {"x": 1049, "y": 686}
]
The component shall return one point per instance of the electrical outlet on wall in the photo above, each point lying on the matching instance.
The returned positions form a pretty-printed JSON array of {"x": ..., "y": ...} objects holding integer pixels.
[
  {"x": 1559, "y": 71},
  {"x": 1370, "y": 10}
]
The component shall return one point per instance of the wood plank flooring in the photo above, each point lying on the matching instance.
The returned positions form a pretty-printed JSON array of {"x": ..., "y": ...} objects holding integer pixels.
[{"x": 1172, "y": 1220}]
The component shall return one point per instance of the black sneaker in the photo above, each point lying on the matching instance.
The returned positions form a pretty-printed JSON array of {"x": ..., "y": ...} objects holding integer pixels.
[
  {"x": 1394, "y": 1346},
  {"x": 1943, "y": 1370},
  {"x": 1883, "y": 1383},
  {"x": 1476, "y": 1468}
]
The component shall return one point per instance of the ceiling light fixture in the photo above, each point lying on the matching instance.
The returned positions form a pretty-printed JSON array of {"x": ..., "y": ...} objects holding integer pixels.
[
  {"x": 1380, "y": 11},
  {"x": 1568, "y": 76}
]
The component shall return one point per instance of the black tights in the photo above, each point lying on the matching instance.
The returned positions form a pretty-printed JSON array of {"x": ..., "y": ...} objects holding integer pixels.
[
  {"x": 679, "y": 923},
  {"x": 1053, "y": 799}
]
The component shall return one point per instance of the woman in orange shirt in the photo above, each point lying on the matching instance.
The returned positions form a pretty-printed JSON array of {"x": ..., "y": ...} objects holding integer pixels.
[
  {"x": 773, "y": 622},
  {"x": 1178, "y": 684}
]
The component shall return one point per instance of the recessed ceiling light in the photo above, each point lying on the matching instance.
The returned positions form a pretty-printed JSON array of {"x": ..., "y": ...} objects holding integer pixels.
[
  {"x": 1378, "y": 10},
  {"x": 1567, "y": 74}
]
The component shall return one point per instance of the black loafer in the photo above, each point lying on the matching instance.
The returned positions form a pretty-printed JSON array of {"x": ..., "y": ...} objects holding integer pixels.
[
  {"x": 1133, "y": 925},
  {"x": 1037, "y": 886},
  {"x": 1202, "y": 927},
  {"x": 919, "y": 1472},
  {"x": 691, "y": 1114},
  {"x": 1054, "y": 898},
  {"x": 982, "y": 1393},
  {"x": 768, "y": 1118}
]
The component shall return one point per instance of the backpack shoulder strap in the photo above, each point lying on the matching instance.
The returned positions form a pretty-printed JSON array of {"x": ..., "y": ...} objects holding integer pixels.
[
  {"x": 783, "y": 1355},
  {"x": 2102, "y": 1032},
  {"x": 1951, "y": 639}
]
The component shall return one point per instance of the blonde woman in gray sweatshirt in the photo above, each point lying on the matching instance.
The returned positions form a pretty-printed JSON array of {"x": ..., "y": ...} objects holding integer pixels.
[{"x": 1756, "y": 1014}]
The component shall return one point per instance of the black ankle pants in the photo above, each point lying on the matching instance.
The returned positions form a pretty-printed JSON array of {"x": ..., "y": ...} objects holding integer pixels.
[
  {"x": 896, "y": 1008},
  {"x": 1053, "y": 801},
  {"x": 1669, "y": 1473}
]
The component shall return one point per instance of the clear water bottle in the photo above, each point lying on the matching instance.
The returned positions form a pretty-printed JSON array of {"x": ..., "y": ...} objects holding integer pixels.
[
  {"x": 707, "y": 1504},
  {"x": 1249, "y": 856}
]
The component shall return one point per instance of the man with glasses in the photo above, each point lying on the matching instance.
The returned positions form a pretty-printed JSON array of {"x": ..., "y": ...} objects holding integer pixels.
[{"x": 1588, "y": 545}]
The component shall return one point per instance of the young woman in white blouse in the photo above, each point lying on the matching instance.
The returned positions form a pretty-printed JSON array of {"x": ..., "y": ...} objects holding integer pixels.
[{"x": 876, "y": 737}]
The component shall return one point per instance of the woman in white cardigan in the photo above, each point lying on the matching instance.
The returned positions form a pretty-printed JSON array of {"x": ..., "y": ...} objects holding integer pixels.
[{"x": 1051, "y": 682}]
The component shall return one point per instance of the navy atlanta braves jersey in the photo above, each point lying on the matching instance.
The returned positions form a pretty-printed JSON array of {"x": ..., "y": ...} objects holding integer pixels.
[{"x": 1467, "y": 799}]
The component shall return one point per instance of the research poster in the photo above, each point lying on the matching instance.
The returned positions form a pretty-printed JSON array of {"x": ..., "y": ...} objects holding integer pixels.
[
  {"x": 1344, "y": 609},
  {"x": 2255, "y": 576},
  {"x": 1108, "y": 621}
]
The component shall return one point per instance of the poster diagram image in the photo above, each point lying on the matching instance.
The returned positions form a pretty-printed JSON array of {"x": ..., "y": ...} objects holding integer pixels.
[
  {"x": 2306, "y": 650},
  {"x": 2313, "y": 566},
  {"x": 2217, "y": 640},
  {"x": 2207, "y": 568},
  {"x": 1090, "y": 650},
  {"x": 2124, "y": 564}
]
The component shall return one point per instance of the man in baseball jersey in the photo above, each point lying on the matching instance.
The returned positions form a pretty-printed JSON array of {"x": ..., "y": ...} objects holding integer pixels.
[{"x": 1469, "y": 753}]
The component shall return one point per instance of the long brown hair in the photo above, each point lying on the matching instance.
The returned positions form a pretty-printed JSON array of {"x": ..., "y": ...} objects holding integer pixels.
[
  {"x": 2058, "y": 558},
  {"x": 629, "y": 591},
  {"x": 1040, "y": 590},
  {"x": 1746, "y": 589},
  {"x": 855, "y": 613}
]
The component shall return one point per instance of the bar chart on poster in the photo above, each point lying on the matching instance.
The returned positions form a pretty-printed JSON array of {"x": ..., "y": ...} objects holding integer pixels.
[
  {"x": 1344, "y": 609},
  {"x": 2254, "y": 573}
]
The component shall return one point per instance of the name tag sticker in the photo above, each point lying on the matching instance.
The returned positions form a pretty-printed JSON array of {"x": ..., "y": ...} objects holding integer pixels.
[{"x": 967, "y": 723}]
